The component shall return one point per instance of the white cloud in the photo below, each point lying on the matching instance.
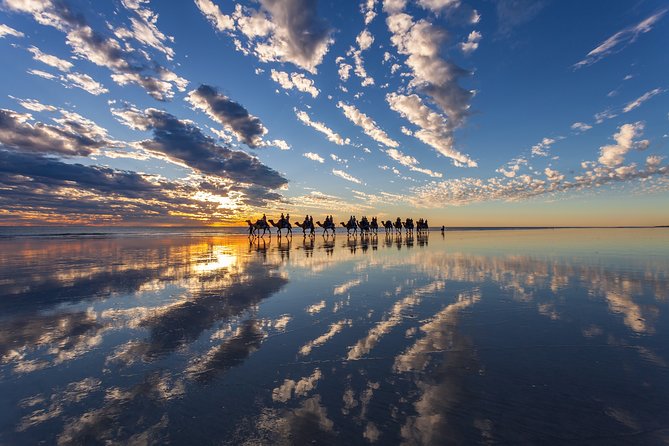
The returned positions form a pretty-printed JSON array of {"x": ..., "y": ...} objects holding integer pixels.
[
  {"x": 9, "y": 31},
  {"x": 541, "y": 149},
  {"x": 421, "y": 42},
  {"x": 580, "y": 126},
  {"x": 294, "y": 80},
  {"x": 85, "y": 82},
  {"x": 314, "y": 157},
  {"x": 367, "y": 9},
  {"x": 344, "y": 71},
  {"x": 620, "y": 40},
  {"x": 472, "y": 42},
  {"x": 516, "y": 187},
  {"x": 438, "y": 5},
  {"x": 319, "y": 126},
  {"x": 434, "y": 129},
  {"x": 641, "y": 99},
  {"x": 367, "y": 124},
  {"x": 145, "y": 29},
  {"x": 220, "y": 21},
  {"x": 35, "y": 105},
  {"x": 346, "y": 176},
  {"x": 614, "y": 154},
  {"x": 411, "y": 163},
  {"x": 41, "y": 73},
  {"x": 285, "y": 31},
  {"x": 48, "y": 59}
]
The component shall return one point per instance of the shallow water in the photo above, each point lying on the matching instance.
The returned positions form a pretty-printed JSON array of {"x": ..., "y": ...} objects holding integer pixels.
[{"x": 491, "y": 337}]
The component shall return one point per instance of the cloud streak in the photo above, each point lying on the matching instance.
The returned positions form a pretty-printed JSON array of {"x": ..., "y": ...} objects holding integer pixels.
[{"x": 620, "y": 40}]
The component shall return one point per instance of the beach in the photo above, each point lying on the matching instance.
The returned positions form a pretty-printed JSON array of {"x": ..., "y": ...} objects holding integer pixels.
[{"x": 548, "y": 336}]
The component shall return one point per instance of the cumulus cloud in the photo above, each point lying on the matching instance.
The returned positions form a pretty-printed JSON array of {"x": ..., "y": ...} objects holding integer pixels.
[
  {"x": 367, "y": 8},
  {"x": 641, "y": 99},
  {"x": 314, "y": 157},
  {"x": 364, "y": 41},
  {"x": 300, "y": 35},
  {"x": 614, "y": 154},
  {"x": 294, "y": 80},
  {"x": 438, "y": 5},
  {"x": 609, "y": 170},
  {"x": 83, "y": 81},
  {"x": 220, "y": 21},
  {"x": 34, "y": 105},
  {"x": 541, "y": 149},
  {"x": 434, "y": 130},
  {"x": 421, "y": 42},
  {"x": 281, "y": 30},
  {"x": 581, "y": 126},
  {"x": 321, "y": 127},
  {"x": 184, "y": 143},
  {"x": 69, "y": 80},
  {"x": 143, "y": 27},
  {"x": 74, "y": 136},
  {"x": 620, "y": 40},
  {"x": 472, "y": 42},
  {"x": 230, "y": 114},
  {"x": 101, "y": 50},
  {"x": 367, "y": 124},
  {"x": 9, "y": 31},
  {"x": 346, "y": 176},
  {"x": 411, "y": 162},
  {"x": 52, "y": 61},
  {"x": 41, "y": 189}
]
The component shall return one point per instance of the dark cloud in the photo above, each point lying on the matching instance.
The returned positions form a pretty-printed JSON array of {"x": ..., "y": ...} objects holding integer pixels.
[
  {"x": 185, "y": 143},
  {"x": 246, "y": 127},
  {"x": 73, "y": 137},
  {"x": 300, "y": 33},
  {"x": 41, "y": 189}
]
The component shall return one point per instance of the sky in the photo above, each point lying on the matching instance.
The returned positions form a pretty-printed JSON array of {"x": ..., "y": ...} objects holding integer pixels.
[{"x": 209, "y": 112}]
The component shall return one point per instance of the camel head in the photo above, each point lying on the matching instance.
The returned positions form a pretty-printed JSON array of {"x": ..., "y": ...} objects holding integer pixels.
[{"x": 271, "y": 222}]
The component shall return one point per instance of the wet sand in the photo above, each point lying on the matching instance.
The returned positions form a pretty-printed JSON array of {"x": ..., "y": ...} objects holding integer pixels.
[{"x": 476, "y": 337}]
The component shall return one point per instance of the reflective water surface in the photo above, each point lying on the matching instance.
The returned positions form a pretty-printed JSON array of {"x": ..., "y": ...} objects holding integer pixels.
[{"x": 484, "y": 337}]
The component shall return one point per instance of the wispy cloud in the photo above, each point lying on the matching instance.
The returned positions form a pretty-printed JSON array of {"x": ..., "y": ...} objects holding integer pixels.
[
  {"x": 641, "y": 99},
  {"x": 620, "y": 40},
  {"x": 346, "y": 176},
  {"x": 367, "y": 124},
  {"x": 321, "y": 127}
]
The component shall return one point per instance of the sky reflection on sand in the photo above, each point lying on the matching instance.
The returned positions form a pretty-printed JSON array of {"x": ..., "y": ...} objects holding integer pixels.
[{"x": 513, "y": 336}]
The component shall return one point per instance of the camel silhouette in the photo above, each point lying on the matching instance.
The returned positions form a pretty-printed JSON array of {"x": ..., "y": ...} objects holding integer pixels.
[
  {"x": 306, "y": 226},
  {"x": 408, "y": 225},
  {"x": 326, "y": 227},
  {"x": 388, "y": 226},
  {"x": 254, "y": 228},
  {"x": 350, "y": 226},
  {"x": 282, "y": 225}
]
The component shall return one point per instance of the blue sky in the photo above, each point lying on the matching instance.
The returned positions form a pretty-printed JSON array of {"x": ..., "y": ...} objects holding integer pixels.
[{"x": 467, "y": 112}]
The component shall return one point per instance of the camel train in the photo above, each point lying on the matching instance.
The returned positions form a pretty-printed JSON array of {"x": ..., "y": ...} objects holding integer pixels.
[{"x": 365, "y": 226}]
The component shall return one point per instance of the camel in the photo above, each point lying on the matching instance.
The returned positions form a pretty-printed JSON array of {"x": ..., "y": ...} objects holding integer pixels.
[
  {"x": 283, "y": 224},
  {"x": 422, "y": 226},
  {"x": 350, "y": 226},
  {"x": 364, "y": 225},
  {"x": 398, "y": 225},
  {"x": 327, "y": 226},
  {"x": 304, "y": 226},
  {"x": 388, "y": 226},
  {"x": 408, "y": 225},
  {"x": 254, "y": 228},
  {"x": 374, "y": 225}
]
